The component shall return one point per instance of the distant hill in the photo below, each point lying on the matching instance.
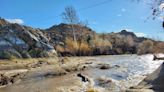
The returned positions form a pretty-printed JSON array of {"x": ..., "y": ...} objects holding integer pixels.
[{"x": 123, "y": 42}]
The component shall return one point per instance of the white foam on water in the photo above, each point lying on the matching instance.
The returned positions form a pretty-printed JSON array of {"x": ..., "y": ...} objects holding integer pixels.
[
  {"x": 133, "y": 69},
  {"x": 138, "y": 69},
  {"x": 150, "y": 64}
]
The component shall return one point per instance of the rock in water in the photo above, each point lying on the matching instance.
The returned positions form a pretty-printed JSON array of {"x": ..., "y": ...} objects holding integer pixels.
[{"x": 154, "y": 81}]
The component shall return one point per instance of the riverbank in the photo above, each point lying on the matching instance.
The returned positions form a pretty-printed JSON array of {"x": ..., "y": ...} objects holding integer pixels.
[
  {"x": 18, "y": 71},
  {"x": 76, "y": 74}
]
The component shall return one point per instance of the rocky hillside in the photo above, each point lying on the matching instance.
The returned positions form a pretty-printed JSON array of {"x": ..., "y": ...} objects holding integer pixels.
[
  {"x": 18, "y": 41},
  {"x": 91, "y": 43},
  {"x": 59, "y": 33}
]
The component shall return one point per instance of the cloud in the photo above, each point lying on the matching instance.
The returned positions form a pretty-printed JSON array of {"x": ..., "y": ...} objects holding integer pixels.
[
  {"x": 138, "y": 34},
  {"x": 123, "y": 10},
  {"x": 19, "y": 21},
  {"x": 161, "y": 7}
]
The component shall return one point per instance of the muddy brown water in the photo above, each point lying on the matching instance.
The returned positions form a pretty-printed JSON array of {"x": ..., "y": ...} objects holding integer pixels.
[{"x": 126, "y": 71}]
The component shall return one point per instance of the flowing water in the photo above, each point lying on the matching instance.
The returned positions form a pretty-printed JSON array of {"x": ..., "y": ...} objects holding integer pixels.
[
  {"x": 126, "y": 71},
  {"x": 132, "y": 69}
]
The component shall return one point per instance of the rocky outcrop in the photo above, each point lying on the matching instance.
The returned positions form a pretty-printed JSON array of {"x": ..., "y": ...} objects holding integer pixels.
[
  {"x": 58, "y": 33},
  {"x": 126, "y": 33},
  {"x": 22, "y": 41},
  {"x": 123, "y": 42},
  {"x": 153, "y": 82}
]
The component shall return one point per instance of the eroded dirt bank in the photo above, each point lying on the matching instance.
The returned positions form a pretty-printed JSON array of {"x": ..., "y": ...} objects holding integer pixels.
[{"x": 75, "y": 74}]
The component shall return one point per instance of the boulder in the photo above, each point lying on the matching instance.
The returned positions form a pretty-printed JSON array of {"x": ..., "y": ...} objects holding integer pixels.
[{"x": 154, "y": 82}]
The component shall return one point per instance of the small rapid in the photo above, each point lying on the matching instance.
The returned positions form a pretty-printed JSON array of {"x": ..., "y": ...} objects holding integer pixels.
[{"x": 132, "y": 69}]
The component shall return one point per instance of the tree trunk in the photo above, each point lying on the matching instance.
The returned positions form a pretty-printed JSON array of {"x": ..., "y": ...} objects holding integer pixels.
[{"x": 74, "y": 35}]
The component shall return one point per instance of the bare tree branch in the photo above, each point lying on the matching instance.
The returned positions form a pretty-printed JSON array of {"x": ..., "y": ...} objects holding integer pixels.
[{"x": 70, "y": 16}]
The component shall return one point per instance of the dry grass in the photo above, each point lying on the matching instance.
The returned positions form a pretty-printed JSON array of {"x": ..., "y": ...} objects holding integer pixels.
[
  {"x": 159, "y": 48},
  {"x": 145, "y": 47},
  {"x": 71, "y": 46},
  {"x": 101, "y": 46},
  {"x": 91, "y": 89},
  {"x": 23, "y": 63},
  {"x": 59, "y": 48},
  {"x": 102, "y": 43},
  {"x": 84, "y": 49},
  {"x": 79, "y": 48}
]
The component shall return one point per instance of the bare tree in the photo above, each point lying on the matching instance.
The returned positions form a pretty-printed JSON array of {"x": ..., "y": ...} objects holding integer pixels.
[
  {"x": 157, "y": 7},
  {"x": 70, "y": 16}
]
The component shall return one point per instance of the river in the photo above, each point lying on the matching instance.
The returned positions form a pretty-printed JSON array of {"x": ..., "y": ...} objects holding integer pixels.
[{"x": 126, "y": 71}]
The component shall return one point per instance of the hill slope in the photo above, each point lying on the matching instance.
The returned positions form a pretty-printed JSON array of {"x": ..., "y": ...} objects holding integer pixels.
[
  {"x": 22, "y": 41},
  {"x": 91, "y": 43}
]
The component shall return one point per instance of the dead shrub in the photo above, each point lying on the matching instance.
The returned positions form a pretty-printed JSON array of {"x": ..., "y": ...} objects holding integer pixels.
[
  {"x": 71, "y": 46},
  {"x": 101, "y": 46},
  {"x": 59, "y": 49},
  {"x": 84, "y": 49},
  {"x": 146, "y": 47}
]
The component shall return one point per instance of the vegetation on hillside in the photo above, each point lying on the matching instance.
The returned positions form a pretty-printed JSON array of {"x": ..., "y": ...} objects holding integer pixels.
[{"x": 91, "y": 43}]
